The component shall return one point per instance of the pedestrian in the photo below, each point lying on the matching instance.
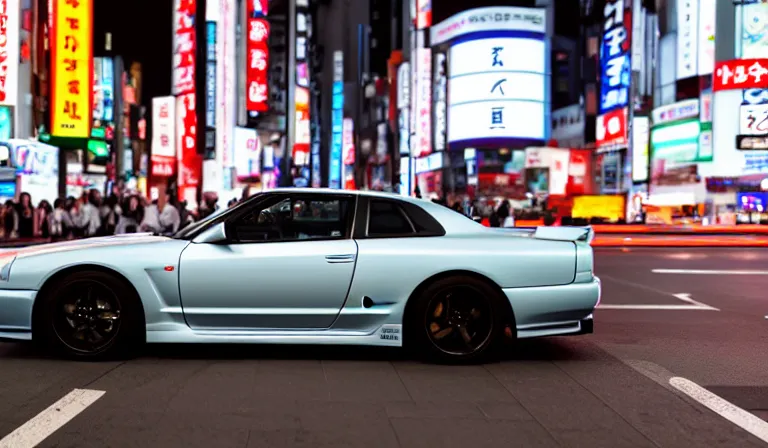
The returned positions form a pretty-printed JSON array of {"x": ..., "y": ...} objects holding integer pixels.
[
  {"x": 110, "y": 215},
  {"x": 27, "y": 217},
  {"x": 59, "y": 221},
  {"x": 44, "y": 211},
  {"x": 132, "y": 215},
  {"x": 10, "y": 220},
  {"x": 170, "y": 218},
  {"x": 86, "y": 214}
]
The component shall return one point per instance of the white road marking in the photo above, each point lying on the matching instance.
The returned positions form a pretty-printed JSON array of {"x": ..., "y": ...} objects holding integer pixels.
[
  {"x": 706, "y": 272},
  {"x": 729, "y": 411},
  {"x": 33, "y": 432},
  {"x": 657, "y": 307},
  {"x": 693, "y": 305},
  {"x": 685, "y": 297}
]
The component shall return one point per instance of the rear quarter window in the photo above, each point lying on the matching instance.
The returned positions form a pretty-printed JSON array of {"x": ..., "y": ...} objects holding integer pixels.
[{"x": 394, "y": 219}]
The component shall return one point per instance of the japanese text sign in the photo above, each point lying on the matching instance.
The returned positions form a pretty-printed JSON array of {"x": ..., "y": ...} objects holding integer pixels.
[
  {"x": 612, "y": 128},
  {"x": 257, "y": 90},
  {"x": 72, "y": 57},
  {"x": 190, "y": 163},
  {"x": 9, "y": 52},
  {"x": 615, "y": 64},
  {"x": 164, "y": 126},
  {"x": 184, "y": 47},
  {"x": 741, "y": 74},
  {"x": 497, "y": 91},
  {"x": 423, "y": 130}
]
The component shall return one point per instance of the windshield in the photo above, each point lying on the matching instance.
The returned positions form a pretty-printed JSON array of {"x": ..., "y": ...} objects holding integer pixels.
[{"x": 193, "y": 229}]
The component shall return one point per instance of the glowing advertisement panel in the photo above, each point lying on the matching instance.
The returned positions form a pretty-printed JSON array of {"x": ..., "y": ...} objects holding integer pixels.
[
  {"x": 498, "y": 90},
  {"x": 706, "y": 36},
  {"x": 72, "y": 72},
  {"x": 687, "y": 38},
  {"x": 9, "y": 48},
  {"x": 335, "y": 166},
  {"x": 164, "y": 127},
  {"x": 615, "y": 59},
  {"x": 226, "y": 113},
  {"x": 184, "y": 46},
  {"x": 677, "y": 142},
  {"x": 640, "y": 134},
  {"x": 190, "y": 163},
  {"x": 247, "y": 155},
  {"x": 754, "y": 31},
  {"x": 494, "y": 18},
  {"x": 421, "y": 145}
]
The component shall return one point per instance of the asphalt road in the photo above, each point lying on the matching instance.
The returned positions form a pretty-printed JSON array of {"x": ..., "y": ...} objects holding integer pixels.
[{"x": 612, "y": 389}]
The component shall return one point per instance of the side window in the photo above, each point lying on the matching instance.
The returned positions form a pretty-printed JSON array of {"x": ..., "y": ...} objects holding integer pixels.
[
  {"x": 295, "y": 219},
  {"x": 386, "y": 218}
]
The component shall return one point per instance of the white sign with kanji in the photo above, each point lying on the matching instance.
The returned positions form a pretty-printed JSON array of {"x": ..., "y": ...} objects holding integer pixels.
[
  {"x": 422, "y": 143},
  {"x": 164, "y": 126}
]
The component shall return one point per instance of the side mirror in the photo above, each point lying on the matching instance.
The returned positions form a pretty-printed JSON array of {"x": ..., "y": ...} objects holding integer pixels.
[{"x": 216, "y": 234}]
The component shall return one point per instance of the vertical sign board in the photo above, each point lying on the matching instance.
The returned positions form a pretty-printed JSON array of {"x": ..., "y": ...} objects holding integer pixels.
[
  {"x": 335, "y": 166},
  {"x": 441, "y": 107},
  {"x": 615, "y": 68},
  {"x": 423, "y": 14},
  {"x": 107, "y": 88},
  {"x": 72, "y": 71},
  {"x": 687, "y": 38},
  {"x": 404, "y": 107},
  {"x": 210, "y": 90},
  {"x": 183, "y": 87},
  {"x": 615, "y": 64},
  {"x": 257, "y": 58},
  {"x": 163, "y": 161},
  {"x": 422, "y": 144},
  {"x": 9, "y": 47},
  {"x": 226, "y": 99}
]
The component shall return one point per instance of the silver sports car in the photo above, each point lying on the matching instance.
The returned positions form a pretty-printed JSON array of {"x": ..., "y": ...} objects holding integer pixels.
[{"x": 306, "y": 266}]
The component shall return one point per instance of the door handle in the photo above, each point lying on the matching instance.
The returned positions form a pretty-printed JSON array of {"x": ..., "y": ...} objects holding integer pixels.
[{"x": 346, "y": 258}]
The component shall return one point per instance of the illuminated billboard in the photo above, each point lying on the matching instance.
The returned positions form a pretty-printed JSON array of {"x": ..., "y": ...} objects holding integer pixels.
[
  {"x": 72, "y": 72},
  {"x": 615, "y": 64}
]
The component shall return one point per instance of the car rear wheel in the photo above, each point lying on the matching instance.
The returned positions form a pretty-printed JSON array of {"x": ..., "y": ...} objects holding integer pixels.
[
  {"x": 457, "y": 320},
  {"x": 90, "y": 315}
]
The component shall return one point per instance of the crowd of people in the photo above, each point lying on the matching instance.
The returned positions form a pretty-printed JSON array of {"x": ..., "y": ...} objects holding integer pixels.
[{"x": 93, "y": 214}]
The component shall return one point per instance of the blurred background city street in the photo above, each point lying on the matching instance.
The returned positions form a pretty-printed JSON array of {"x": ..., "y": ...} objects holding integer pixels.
[{"x": 646, "y": 119}]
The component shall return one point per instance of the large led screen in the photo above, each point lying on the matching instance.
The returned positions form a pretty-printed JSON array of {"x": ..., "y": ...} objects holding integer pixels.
[{"x": 497, "y": 89}]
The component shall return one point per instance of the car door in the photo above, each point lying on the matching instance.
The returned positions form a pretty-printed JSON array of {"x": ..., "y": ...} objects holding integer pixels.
[{"x": 288, "y": 264}]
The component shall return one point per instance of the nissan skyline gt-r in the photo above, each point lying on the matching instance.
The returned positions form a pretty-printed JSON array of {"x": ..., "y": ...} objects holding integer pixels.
[{"x": 306, "y": 266}]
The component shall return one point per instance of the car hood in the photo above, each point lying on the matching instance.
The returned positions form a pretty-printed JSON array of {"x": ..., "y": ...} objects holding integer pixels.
[{"x": 87, "y": 243}]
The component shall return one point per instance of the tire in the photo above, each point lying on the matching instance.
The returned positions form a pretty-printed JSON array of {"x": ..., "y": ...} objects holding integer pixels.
[
  {"x": 105, "y": 305},
  {"x": 471, "y": 304}
]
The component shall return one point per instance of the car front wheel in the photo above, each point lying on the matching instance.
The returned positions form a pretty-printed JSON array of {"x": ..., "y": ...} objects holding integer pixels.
[{"x": 89, "y": 315}]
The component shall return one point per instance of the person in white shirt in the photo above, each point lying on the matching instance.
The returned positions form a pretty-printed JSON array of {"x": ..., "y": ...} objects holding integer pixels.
[
  {"x": 151, "y": 221},
  {"x": 86, "y": 214},
  {"x": 170, "y": 218}
]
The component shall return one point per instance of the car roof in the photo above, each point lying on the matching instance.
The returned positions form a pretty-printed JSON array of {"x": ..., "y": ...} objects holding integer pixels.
[{"x": 452, "y": 221}]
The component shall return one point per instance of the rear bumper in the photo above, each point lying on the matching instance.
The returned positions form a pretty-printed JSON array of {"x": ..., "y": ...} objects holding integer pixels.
[
  {"x": 555, "y": 310},
  {"x": 16, "y": 314}
]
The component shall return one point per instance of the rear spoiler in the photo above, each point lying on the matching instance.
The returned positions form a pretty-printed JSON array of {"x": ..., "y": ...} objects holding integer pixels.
[{"x": 585, "y": 234}]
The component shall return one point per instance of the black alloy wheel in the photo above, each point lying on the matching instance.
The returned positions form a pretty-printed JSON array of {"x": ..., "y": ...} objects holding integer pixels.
[
  {"x": 459, "y": 320},
  {"x": 456, "y": 320},
  {"x": 89, "y": 315}
]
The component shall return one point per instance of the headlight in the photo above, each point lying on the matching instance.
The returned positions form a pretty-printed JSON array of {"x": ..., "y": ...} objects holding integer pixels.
[{"x": 5, "y": 267}]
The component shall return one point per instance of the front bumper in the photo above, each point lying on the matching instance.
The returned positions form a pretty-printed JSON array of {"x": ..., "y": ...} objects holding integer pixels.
[{"x": 16, "y": 314}]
